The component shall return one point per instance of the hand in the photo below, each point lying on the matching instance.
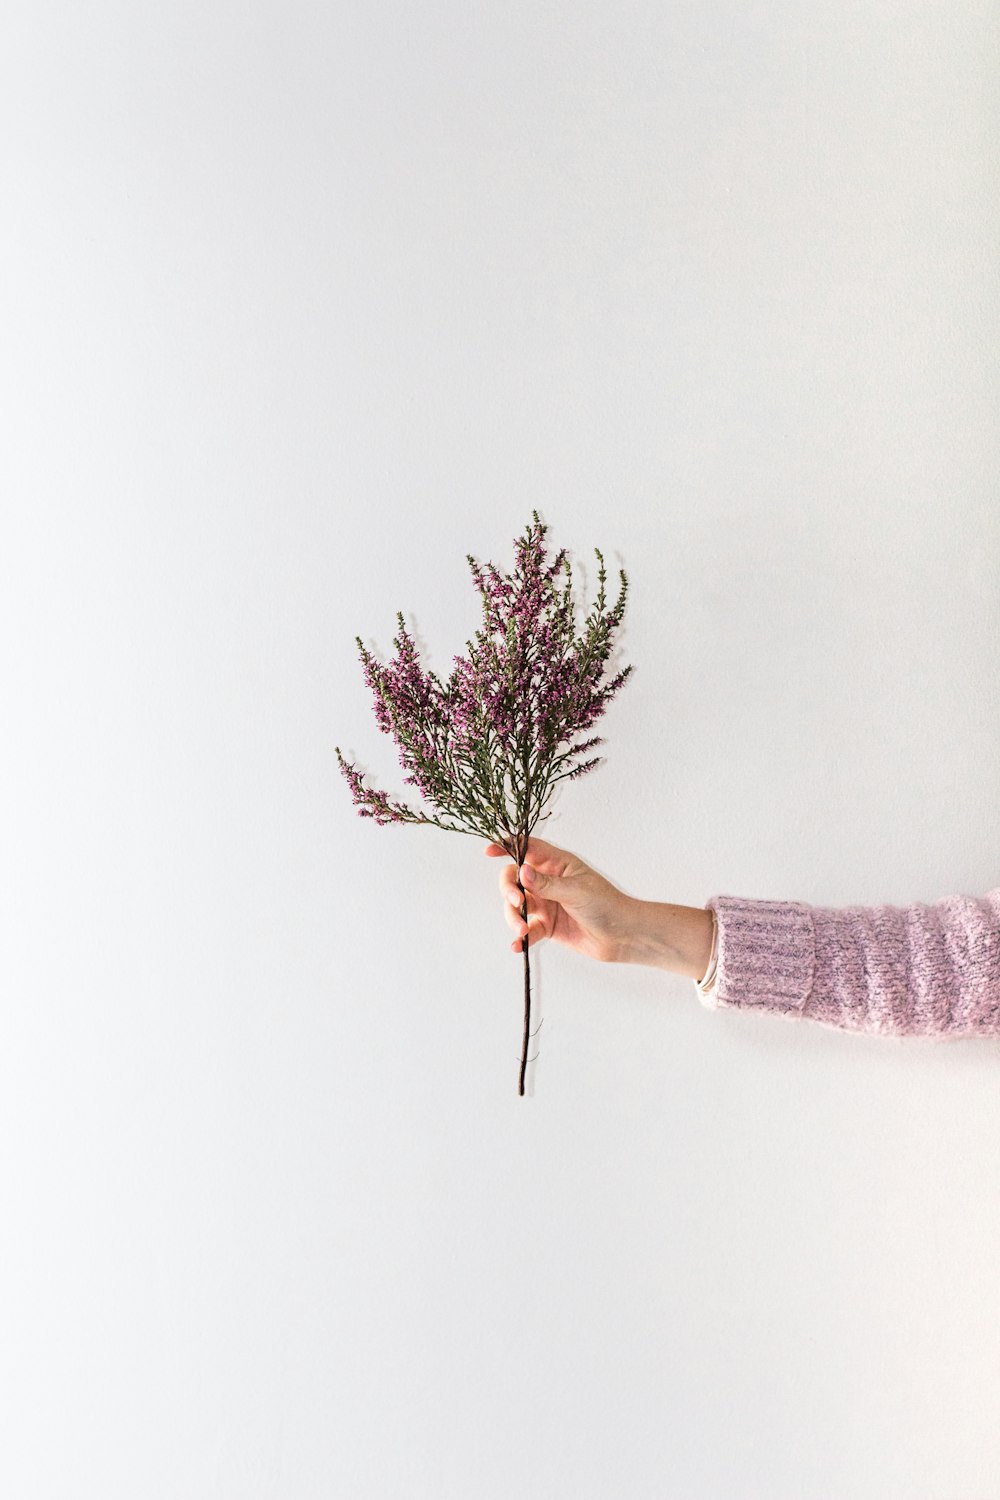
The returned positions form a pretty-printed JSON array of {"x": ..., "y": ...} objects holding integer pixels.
[{"x": 567, "y": 901}]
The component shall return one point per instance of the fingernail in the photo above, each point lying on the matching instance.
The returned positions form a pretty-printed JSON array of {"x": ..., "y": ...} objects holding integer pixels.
[
  {"x": 527, "y": 874},
  {"x": 513, "y": 898}
]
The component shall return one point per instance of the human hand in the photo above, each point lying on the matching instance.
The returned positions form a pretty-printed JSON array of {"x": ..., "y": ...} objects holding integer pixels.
[{"x": 567, "y": 901}]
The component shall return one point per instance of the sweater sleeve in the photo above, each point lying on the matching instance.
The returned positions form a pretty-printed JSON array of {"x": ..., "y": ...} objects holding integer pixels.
[{"x": 922, "y": 969}]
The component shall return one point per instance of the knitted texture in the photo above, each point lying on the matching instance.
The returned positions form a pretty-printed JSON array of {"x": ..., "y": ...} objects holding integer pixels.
[{"x": 922, "y": 969}]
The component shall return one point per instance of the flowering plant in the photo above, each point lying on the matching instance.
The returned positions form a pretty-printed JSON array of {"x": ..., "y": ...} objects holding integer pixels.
[{"x": 487, "y": 747}]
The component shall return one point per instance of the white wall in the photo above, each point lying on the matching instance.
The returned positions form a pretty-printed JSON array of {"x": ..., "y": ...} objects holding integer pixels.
[{"x": 302, "y": 303}]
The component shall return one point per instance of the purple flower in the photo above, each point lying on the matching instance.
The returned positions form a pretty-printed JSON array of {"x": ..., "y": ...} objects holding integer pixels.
[{"x": 488, "y": 746}]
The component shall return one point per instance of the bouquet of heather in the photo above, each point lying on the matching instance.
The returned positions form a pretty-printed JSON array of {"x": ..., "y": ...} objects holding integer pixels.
[{"x": 487, "y": 747}]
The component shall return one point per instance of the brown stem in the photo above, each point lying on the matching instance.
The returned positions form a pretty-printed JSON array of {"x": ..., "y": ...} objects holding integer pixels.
[{"x": 527, "y": 990}]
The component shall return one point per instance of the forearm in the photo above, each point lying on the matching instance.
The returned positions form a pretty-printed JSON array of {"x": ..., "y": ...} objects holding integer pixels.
[{"x": 665, "y": 936}]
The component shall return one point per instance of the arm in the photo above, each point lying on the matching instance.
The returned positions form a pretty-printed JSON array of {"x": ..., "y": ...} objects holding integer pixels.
[{"x": 926, "y": 968}]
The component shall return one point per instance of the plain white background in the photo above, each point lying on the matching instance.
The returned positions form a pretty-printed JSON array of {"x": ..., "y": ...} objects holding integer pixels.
[{"x": 302, "y": 303}]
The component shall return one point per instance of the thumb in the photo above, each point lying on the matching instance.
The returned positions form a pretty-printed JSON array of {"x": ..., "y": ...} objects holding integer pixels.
[{"x": 555, "y": 887}]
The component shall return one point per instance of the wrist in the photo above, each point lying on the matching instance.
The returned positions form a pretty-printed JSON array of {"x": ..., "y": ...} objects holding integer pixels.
[{"x": 663, "y": 935}]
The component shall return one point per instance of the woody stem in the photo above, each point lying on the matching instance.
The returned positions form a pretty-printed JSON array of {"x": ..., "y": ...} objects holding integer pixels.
[{"x": 527, "y": 991}]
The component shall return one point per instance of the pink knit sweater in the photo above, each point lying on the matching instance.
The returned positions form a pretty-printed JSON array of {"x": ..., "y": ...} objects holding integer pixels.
[{"x": 931, "y": 969}]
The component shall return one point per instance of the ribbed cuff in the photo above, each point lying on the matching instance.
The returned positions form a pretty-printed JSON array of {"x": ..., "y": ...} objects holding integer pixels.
[{"x": 765, "y": 954}]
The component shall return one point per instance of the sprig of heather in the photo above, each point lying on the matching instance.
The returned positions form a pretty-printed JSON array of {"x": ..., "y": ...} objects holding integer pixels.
[{"x": 487, "y": 747}]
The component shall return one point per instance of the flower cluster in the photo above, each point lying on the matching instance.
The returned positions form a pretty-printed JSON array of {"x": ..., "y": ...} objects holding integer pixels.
[{"x": 487, "y": 747}]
